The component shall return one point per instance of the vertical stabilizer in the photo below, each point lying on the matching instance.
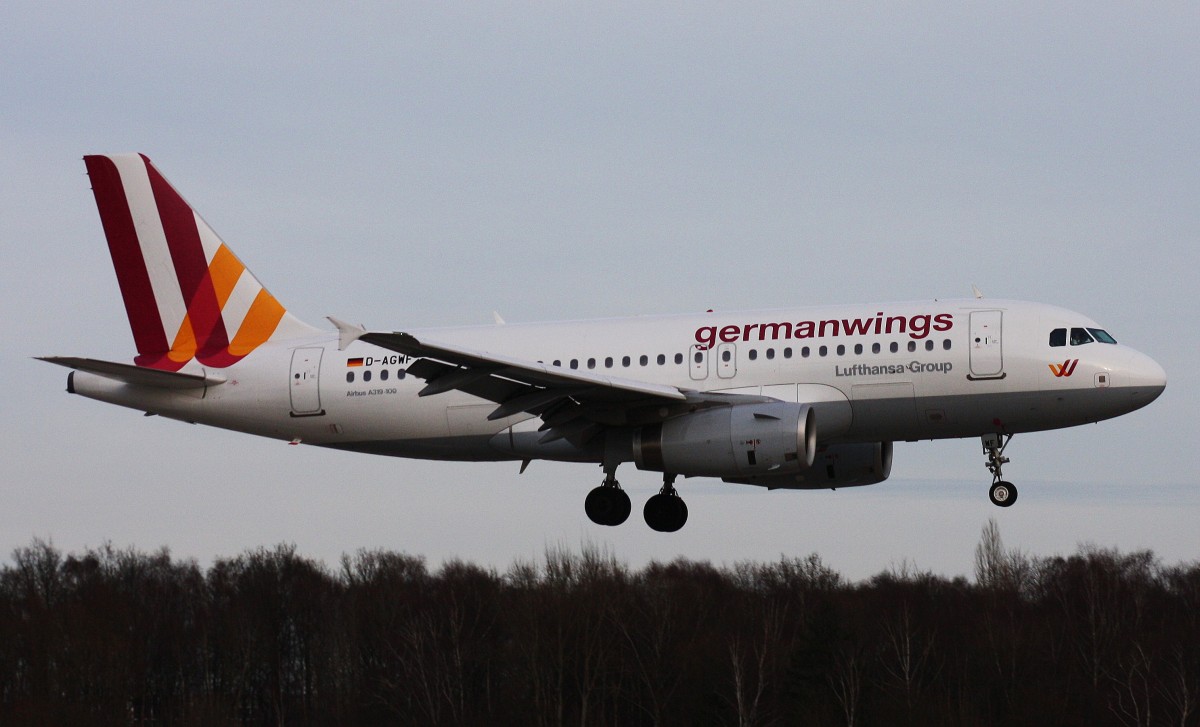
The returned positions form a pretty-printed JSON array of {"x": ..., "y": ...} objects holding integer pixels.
[{"x": 187, "y": 295}]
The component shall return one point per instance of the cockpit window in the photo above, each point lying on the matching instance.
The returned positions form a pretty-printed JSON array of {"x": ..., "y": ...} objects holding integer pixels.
[
  {"x": 1102, "y": 335},
  {"x": 1058, "y": 337},
  {"x": 1080, "y": 336}
]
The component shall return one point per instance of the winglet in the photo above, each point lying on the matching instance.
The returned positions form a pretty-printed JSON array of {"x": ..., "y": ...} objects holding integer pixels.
[{"x": 348, "y": 333}]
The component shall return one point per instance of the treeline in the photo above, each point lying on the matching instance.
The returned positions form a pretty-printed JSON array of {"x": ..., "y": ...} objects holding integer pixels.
[{"x": 119, "y": 636}]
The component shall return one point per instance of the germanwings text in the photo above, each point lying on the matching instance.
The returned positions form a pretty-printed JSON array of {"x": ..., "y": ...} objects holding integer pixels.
[{"x": 918, "y": 326}]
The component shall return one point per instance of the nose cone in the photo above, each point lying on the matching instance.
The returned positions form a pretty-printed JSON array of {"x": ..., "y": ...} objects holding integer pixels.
[{"x": 1145, "y": 377}]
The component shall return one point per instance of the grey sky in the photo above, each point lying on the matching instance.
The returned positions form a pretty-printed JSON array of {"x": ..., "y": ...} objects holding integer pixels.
[{"x": 426, "y": 164}]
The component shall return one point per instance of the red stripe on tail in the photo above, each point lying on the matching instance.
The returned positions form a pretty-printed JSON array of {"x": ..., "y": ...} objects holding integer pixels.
[
  {"x": 191, "y": 266},
  {"x": 134, "y": 281}
]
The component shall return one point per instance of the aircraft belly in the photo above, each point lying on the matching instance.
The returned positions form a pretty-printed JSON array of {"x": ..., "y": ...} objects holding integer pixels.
[
  {"x": 971, "y": 415},
  {"x": 460, "y": 449}
]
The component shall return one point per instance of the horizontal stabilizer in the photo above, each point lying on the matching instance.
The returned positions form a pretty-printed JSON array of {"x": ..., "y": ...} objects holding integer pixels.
[{"x": 136, "y": 375}]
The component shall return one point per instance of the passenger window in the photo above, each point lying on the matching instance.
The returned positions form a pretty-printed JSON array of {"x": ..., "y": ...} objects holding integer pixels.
[
  {"x": 1079, "y": 337},
  {"x": 349, "y": 377},
  {"x": 401, "y": 373},
  {"x": 574, "y": 363},
  {"x": 608, "y": 362},
  {"x": 804, "y": 352},
  {"x": 1058, "y": 337},
  {"x": 841, "y": 350},
  {"x": 874, "y": 348},
  {"x": 383, "y": 375},
  {"x": 644, "y": 360},
  {"x": 753, "y": 354},
  {"x": 858, "y": 349},
  {"x": 912, "y": 346},
  {"x": 894, "y": 347},
  {"x": 928, "y": 345},
  {"x": 770, "y": 353},
  {"x": 557, "y": 362},
  {"x": 946, "y": 344},
  {"x": 1102, "y": 336},
  {"x": 679, "y": 358},
  {"x": 823, "y": 351},
  {"x": 700, "y": 357},
  {"x": 591, "y": 363},
  {"x": 661, "y": 359},
  {"x": 625, "y": 361},
  {"x": 787, "y": 352},
  {"x": 366, "y": 376},
  {"x": 725, "y": 355}
]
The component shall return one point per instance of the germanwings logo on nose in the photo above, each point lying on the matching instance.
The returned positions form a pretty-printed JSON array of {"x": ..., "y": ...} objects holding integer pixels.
[{"x": 1066, "y": 368}]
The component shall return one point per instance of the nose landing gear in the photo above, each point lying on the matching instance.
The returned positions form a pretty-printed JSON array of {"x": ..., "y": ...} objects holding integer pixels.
[{"x": 1002, "y": 494}]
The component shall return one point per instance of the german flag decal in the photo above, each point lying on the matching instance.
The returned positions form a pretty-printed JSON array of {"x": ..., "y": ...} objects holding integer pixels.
[{"x": 354, "y": 362}]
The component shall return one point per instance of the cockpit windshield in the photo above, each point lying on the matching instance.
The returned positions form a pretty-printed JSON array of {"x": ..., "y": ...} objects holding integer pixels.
[{"x": 1080, "y": 336}]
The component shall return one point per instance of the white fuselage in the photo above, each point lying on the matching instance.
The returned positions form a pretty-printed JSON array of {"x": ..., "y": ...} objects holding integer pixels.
[{"x": 900, "y": 371}]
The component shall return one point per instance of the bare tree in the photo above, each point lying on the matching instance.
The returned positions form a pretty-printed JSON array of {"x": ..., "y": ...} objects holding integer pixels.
[
  {"x": 1132, "y": 678},
  {"x": 906, "y": 651},
  {"x": 1178, "y": 687},
  {"x": 846, "y": 680},
  {"x": 753, "y": 660},
  {"x": 999, "y": 569}
]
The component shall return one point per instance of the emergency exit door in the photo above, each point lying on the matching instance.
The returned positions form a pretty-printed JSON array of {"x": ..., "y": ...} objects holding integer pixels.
[
  {"x": 305, "y": 382},
  {"x": 987, "y": 349}
]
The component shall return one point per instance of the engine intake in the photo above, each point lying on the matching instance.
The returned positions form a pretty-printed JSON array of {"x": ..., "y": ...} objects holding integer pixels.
[{"x": 741, "y": 440}]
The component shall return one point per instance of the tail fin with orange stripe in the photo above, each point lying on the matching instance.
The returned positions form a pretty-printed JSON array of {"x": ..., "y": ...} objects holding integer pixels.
[{"x": 187, "y": 295}]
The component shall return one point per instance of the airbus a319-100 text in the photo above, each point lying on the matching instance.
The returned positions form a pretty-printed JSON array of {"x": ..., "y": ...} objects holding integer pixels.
[{"x": 802, "y": 399}]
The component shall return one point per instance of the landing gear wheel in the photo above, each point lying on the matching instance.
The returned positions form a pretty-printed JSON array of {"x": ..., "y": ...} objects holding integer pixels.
[
  {"x": 666, "y": 512},
  {"x": 1003, "y": 494},
  {"x": 607, "y": 505}
]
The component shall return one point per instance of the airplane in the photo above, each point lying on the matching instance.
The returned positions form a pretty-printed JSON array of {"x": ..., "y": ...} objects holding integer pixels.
[{"x": 802, "y": 398}]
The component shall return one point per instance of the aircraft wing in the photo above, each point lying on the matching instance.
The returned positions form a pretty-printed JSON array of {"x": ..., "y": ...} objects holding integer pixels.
[{"x": 572, "y": 404}]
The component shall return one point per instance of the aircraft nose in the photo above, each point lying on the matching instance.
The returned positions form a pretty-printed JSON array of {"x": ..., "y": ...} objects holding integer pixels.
[{"x": 1146, "y": 374}]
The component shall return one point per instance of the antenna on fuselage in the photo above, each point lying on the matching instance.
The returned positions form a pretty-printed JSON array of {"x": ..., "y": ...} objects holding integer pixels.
[{"x": 978, "y": 293}]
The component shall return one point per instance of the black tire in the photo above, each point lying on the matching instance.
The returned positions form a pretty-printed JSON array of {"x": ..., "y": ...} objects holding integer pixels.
[
  {"x": 656, "y": 514},
  {"x": 623, "y": 507},
  {"x": 603, "y": 506},
  {"x": 1003, "y": 494},
  {"x": 679, "y": 514},
  {"x": 665, "y": 513}
]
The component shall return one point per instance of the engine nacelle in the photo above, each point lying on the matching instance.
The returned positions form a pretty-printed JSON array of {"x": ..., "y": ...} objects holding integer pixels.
[
  {"x": 837, "y": 465},
  {"x": 730, "y": 441}
]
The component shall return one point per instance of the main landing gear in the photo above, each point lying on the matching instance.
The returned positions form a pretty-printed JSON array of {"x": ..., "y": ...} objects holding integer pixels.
[
  {"x": 666, "y": 512},
  {"x": 609, "y": 505},
  {"x": 1002, "y": 494}
]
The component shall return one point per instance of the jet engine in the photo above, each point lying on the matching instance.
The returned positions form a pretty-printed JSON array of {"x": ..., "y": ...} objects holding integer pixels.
[
  {"x": 742, "y": 440},
  {"x": 836, "y": 465}
]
